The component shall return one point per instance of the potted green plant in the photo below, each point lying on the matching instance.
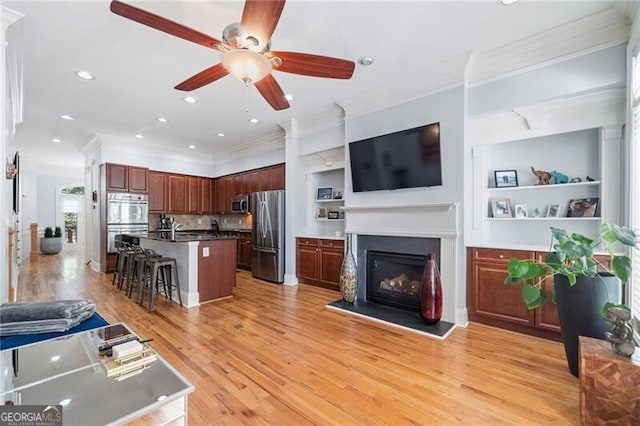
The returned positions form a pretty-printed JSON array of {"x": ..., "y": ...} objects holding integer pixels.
[
  {"x": 51, "y": 243},
  {"x": 584, "y": 283}
]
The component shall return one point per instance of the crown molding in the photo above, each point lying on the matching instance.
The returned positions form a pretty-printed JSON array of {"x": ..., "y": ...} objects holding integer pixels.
[
  {"x": 417, "y": 84},
  {"x": 9, "y": 16},
  {"x": 598, "y": 31},
  {"x": 91, "y": 147},
  {"x": 267, "y": 143},
  {"x": 325, "y": 120}
]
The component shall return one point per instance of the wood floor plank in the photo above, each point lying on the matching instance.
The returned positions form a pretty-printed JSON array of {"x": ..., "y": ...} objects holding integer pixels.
[{"x": 274, "y": 355}]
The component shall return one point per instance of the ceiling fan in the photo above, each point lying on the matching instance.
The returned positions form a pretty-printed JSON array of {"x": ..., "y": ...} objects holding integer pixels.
[{"x": 246, "y": 50}]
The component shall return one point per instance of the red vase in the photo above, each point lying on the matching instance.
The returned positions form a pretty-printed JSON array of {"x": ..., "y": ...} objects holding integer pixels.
[{"x": 431, "y": 292}]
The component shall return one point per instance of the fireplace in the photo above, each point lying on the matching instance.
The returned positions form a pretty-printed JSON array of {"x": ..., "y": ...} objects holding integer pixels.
[{"x": 393, "y": 279}]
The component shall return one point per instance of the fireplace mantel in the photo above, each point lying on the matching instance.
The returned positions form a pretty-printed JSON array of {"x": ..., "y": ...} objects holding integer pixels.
[{"x": 435, "y": 220}]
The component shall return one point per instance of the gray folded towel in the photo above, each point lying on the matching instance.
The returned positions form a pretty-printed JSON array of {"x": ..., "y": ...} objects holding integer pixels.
[
  {"x": 51, "y": 309},
  {"x": 43, "y": 317}
]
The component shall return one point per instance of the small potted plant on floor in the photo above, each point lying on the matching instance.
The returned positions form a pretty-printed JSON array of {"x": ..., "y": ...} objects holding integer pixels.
[
  {"x": 584, "y": 283},
  {"x": 51, "y": 243}
]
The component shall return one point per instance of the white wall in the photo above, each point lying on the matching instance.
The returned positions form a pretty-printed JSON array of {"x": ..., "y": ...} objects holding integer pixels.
[{"x": 29, "y": 213}]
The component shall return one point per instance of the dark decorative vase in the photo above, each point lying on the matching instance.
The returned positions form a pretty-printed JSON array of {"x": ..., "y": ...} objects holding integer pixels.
[
  {"x": 579, "y": 310},
  {"x": 348, "y": 275},
  {"x": 431, "y": 292}
]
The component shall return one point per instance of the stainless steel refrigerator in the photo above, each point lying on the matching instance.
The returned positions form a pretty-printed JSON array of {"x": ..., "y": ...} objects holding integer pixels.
[{"x": 267, "y": 256}]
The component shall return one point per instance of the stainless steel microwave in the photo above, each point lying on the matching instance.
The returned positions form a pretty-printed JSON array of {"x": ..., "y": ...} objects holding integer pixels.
[{"x": 240, "y": 204}]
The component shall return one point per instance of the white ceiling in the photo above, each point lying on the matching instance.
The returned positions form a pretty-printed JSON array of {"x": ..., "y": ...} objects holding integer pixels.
[{"x": 136, "y": 67}]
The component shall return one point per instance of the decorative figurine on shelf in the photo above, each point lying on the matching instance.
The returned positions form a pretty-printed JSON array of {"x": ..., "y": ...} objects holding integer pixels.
[
  {"x": 590, "y": 179},
  {"x": 621, "y": 336},
  {"x": 559, "y": 177},
  {"x": 536, "y": 212},
  {"x": 575, "y": 180},
  {"x": 544, "y": 178}
]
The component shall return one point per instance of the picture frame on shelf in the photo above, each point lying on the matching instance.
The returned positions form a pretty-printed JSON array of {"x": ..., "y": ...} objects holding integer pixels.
[
  {"x": 521, "y": 211},
  {"x": 583, "y": 207},
  {"x": 553, "y": 210},
  {"x": 501, "y": 207},
  {"x": 337, "y": 194},
  {"x": 321, "y": 213},
  {"x": 324, "y": 193},
  {"x": 505, "y": 178},
  {"x": 332, "y": 214}
]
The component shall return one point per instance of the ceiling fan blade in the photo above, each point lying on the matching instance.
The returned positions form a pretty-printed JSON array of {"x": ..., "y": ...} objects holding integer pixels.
[
  {"x": 260, "y": 18},
  {"x": 313, "y": 65},
  {"x": 272, "y": 93},
  {"x": 162, "y": 24},
  {"x": 203, "y": 78}
]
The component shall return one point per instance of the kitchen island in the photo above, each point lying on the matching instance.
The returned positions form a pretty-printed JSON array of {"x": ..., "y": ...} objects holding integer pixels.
[{"x": 206, "y": 264}]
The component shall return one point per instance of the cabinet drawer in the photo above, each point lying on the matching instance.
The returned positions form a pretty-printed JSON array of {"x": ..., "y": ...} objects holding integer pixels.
[
  {"x": 308, "y": 242},
  {"x": 500, "y": 255},
  {"x": 338, "y": 244}
]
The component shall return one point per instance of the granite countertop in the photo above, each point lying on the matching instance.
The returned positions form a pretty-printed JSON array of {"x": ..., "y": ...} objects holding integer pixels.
[
  {"x": 209, "y": 231},
  {"x": 187, "y": 237}
]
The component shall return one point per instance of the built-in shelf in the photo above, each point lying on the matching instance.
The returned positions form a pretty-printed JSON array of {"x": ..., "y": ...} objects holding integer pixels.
[
  {"x": 329, "y": 220},
  {"x": 538, "y": 187},
  {"x": 334, "y": 200}
]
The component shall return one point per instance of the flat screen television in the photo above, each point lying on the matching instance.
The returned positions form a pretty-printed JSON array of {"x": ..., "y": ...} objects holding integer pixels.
[{"x": 405, "y": 159}]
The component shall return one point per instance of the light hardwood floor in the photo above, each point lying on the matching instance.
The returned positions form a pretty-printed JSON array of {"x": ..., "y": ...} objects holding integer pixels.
[{"x": 274, "y": 355}]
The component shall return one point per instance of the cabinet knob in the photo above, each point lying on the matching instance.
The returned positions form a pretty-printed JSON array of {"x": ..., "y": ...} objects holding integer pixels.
[{"x": 501, "y": 256}]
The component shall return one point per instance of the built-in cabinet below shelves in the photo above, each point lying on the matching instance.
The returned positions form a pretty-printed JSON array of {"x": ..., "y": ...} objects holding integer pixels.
[{"x": 318, "y": 261}]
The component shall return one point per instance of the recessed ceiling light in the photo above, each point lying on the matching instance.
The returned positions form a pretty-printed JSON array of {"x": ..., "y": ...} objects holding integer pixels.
[
  {"x": 192, "y": 147},
  {"x": 161, "y": 398},
  {"x": 289, "y": 97},
  {"x": 55, "y": 358},
  {"x": 365, "y": 60},
  {"x": 139, "y": 136},
  {"x": 65, "y": 402},
  {"x": 507, "y": 2},
  {"x": 190, "y": 100},
  {"x": 254, "y": 120},
  {"x": 162, "y": 119},
  {"x": 66, "y": 117},
  {"x": 85, "y": 75},
  {"x": 56, "y": 140},
  {"x": 220, "y": 134}
]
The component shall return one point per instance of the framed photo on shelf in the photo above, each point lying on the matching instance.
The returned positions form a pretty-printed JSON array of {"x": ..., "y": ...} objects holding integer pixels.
[
  {"x": 583, "y": 207},
  {"x": 501, "y": 207},
  {"x": 324, "y": 193},
  {"x": 521, "y": 211},
  {"x": 506, "y": 178},
  {"x": 332, "y": 215},
  {"x": 337, "y": 194},
  {"x": 553, "y": 210},
  {"x": 321, "y": 213}
]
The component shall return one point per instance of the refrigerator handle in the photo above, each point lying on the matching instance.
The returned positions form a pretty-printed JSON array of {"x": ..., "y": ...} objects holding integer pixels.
[{"x": 265, "y": 250}]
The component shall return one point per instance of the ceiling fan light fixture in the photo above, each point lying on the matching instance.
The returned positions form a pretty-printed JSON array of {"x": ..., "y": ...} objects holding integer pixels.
[{"x": 246, "y": 65}]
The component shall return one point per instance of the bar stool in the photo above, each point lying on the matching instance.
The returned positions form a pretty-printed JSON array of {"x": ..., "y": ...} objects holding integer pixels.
[
  {"x": 135, "y": 268},
  {"x": 124, "y": 259},
  {"x": 165, "y": 269},
  {"x": 117, "y": 242}
]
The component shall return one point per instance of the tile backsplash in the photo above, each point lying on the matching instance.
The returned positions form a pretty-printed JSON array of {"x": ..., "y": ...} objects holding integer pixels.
[{"x": 226, "y": 222}]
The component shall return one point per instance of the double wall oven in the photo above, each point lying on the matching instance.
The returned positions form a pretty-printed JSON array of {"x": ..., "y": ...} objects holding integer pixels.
[{"x": 126, "y": 214}]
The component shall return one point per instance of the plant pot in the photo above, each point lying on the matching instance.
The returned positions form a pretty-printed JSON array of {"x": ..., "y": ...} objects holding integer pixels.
[
  {"x": 579, "y": 310},
  {"x": 51, "y": 245}
]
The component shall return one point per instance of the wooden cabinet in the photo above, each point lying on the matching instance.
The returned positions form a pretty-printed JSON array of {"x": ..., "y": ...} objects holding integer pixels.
[
  {"x": 318, "y": 261},
  {"x": 276, "y": 177},
  {"x": 194, "y": 188},
  {"x": 207, "y": 196},
  {"x": 138, "y": 179},
  {"x": 244, "y": 252},
  {"x": 177, "y": 193},
  {"x": 123, "y": 178},
  {"x": 157, "y": 192},
  {"x": 492, "y": 302}
]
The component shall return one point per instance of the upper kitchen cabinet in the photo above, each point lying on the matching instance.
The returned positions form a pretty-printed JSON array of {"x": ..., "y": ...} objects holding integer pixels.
[
  {"x": 207, "y": 196},
  {"x": 177, "y": 194},
  {"x": 194, "y": 185},
  {"x": 122, "y": 178},
  {"x": 157, "y": 192},
  {"x": 276, "y": 176}
]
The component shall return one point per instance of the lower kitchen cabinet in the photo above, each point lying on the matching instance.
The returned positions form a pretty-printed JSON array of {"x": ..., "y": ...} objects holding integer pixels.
[
  {"x": 318, "y": 261},
  {"x": 244, "y": 253},
  {"x": 491, "y": 302}
]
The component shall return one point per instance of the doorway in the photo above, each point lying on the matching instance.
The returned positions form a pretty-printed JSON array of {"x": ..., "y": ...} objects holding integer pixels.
[{"x": 70, "y": 214}]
